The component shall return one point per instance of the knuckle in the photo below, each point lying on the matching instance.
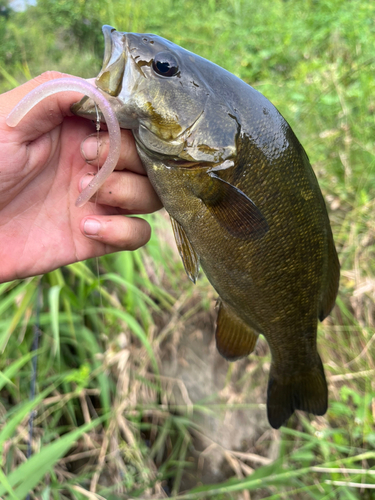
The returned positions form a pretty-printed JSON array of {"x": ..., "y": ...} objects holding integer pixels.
[{"x": 137, "y": 234}]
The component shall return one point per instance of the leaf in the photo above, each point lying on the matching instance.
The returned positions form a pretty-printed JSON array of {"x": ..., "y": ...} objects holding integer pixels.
[
  {"x": 53, "y": 299},
  {"x": 23, "y": 410},
  {"x": 12, "y": 370},
  {"x": 28, "y": 474},
  {"x": 8, "y": 488},
  {"x": 136, "y": 328}
]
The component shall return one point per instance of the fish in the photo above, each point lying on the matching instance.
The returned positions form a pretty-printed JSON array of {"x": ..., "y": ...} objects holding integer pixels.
[{"x": 244, "y": 203}]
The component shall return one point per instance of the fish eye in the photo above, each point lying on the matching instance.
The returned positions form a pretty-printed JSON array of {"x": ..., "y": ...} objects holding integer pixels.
[{"x": 165, "y": 64}]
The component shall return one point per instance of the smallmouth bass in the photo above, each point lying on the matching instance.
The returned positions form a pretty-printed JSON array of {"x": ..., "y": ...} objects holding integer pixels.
[{"x": 244, "y": 203}]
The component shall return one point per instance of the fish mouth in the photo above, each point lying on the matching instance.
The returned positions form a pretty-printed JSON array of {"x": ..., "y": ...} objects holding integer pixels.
[
  {"x": 110, "y": 78},
  {"x": 111, "y": 75},
  {"x": 128, "y": 83}
]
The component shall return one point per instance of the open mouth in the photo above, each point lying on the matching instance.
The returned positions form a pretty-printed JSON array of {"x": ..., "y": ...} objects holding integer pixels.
[
  {"x": 111, "y": 75},
  {"x": 110, "y": 78}
]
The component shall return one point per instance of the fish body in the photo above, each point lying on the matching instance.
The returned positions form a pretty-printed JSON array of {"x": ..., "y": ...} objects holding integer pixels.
[{"x": 244, "y": 202}]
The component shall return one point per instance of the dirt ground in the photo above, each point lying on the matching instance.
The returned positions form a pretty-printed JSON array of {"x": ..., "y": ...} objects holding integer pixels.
[{"x": 234, "y": 437}]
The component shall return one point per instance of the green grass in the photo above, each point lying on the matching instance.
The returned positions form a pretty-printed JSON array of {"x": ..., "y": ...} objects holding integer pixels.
[{"x": 106, "y": 421}]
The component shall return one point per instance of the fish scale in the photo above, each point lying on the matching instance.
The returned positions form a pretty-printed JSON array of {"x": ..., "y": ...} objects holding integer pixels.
[{"x": 244, "y": 202}]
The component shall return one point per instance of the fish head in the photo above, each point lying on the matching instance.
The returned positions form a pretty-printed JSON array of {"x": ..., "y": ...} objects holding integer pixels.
[{"x": 169, "y": 97}]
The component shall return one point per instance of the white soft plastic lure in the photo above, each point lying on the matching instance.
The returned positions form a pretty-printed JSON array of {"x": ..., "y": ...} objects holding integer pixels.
[{"x": 77, "y": 85}]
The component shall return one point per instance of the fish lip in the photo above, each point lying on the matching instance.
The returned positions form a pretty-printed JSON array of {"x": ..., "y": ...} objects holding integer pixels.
[
  {"x": 116, "y": 51},
  {"x": 86, "y": 107},
  {"x": 107, "y": 32},
  {"x": 116, "y": 55},
  {"x": 80, "y": 108}
]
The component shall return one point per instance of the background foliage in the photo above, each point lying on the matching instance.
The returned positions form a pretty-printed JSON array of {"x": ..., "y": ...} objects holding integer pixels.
[{"x": 106, "y": 426}]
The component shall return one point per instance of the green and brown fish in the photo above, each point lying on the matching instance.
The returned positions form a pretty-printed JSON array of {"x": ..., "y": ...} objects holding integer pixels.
[{"x": 243, "y": 200}]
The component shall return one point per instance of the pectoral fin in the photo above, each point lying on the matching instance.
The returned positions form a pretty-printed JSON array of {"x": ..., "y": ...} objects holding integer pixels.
[
  {"x": 188, "y": 255},
  {"x": 235, "y": 211},
  {"x": 234, "y": 338}
]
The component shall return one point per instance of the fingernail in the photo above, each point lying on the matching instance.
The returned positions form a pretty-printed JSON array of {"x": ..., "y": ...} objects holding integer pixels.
[
  {"x": 85, "y": 181},
  {"x": 91, "y": 227},
  {"x": 90, "y": 147}
]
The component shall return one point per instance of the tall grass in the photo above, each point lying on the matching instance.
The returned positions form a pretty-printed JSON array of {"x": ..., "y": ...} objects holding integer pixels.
[{"x": 108, "y": 423}]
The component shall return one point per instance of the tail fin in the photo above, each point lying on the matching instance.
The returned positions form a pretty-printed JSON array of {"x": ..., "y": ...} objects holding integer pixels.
[{"x": 304, "y": 390}]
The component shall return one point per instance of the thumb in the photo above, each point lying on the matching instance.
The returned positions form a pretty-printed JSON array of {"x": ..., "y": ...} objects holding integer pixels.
[{"x": 46, "y": 115}]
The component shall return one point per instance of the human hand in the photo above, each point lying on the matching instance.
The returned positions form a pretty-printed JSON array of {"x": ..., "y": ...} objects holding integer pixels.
[{"x": 41, "y": 174}]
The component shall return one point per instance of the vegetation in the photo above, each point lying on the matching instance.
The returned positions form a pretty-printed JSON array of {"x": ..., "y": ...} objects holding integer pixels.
[{"x": 107, "y": 424}]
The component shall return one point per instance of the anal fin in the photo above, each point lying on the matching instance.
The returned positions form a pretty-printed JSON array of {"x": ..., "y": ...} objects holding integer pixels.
[
  {"x": 234, "y": 338},
  {"x": 187, "y": 253}
]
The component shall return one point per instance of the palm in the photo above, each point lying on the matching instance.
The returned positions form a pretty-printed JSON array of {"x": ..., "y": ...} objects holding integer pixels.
[{"x": 39, "y": 218}]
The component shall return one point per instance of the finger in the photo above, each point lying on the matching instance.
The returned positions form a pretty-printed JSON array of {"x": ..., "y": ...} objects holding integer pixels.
[
  {"x": 95, "y": 152},
  {"x": 117, "y": 231},
  {"x": 126, "y": 190}
]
